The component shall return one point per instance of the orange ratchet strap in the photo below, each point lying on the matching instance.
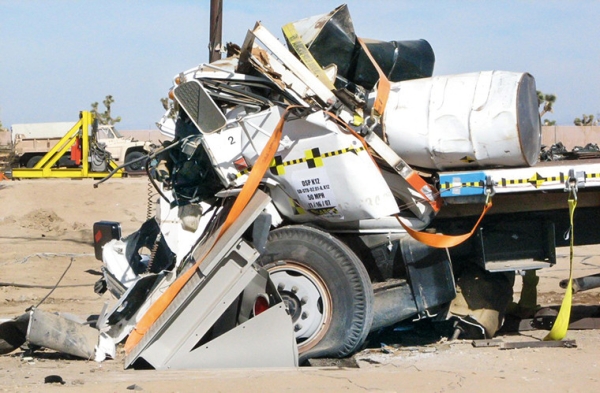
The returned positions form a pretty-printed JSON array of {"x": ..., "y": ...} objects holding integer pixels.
[
  {"x": 443, "y": 241},
  {"x": 412, "y": 177},
  {"x": 383, "y": 85},
  {"x": 419, "y": 184},
  {"x": 383, "y": 93}
]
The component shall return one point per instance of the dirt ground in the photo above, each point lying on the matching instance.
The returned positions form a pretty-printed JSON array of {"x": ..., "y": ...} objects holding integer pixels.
[{"x": 47, "y": 223}]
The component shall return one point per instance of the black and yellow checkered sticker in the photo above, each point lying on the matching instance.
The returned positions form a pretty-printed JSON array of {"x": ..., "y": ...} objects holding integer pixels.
[
  {"x": 447, "y": 185},
  {"x": 313, "y": 158},
  {"x": 536, "y": 181}
]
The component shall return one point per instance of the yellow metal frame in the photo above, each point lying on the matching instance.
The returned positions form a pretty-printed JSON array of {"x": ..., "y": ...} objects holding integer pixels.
[{"x": 44, "y": 168}]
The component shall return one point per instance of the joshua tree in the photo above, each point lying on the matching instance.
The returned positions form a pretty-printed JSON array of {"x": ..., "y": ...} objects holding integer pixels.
[
  {"x": 165, "y": 103},
  {"x": 546, "y": 101},
  {"x": 168, "y": 105},
  {"x": 105, "y": 117},
  {"x": 586, "y": 120}
]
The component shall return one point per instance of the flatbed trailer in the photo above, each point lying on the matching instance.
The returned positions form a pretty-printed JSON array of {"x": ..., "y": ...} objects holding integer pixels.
[{"x": 538, "y": 191}]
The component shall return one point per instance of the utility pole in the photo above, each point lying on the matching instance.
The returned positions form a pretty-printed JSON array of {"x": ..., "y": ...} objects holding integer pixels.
[{"x": 216, "y": 27}]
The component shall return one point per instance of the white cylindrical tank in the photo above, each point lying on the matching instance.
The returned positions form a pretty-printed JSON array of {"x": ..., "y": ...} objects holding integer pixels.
[{"x": 483, "y": 119}]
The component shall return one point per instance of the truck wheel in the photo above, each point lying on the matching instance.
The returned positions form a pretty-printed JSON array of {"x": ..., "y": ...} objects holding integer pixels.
[
  {"x": 32, "y": 161},
  {"x": 136, "y": 166},
  {"x": 326, "y": 289}
]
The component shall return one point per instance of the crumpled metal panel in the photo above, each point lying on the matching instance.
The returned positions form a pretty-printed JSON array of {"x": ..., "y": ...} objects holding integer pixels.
[{"x": 61, "y": 334}]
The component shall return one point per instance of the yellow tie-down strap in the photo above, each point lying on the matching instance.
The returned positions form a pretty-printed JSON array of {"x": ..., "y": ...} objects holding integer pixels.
[
  {"x": 306, "y": 57},
  {"x": 561, "y": 324}
]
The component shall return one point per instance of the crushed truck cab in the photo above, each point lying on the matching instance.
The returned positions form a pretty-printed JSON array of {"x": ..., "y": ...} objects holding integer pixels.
[{"x": 348, "y": 174}]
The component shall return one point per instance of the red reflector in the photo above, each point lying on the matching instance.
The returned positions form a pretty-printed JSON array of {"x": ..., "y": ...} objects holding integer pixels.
[
  {"x": 261, "y": 304},
  {"x": 240, "y": 164},
  {"x": 98, "y": 236}
]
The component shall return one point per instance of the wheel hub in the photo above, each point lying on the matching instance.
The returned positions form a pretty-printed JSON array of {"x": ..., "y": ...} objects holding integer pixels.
[
  {"x": 292, "y": 303},
  {"x": 303, "y": 294}
]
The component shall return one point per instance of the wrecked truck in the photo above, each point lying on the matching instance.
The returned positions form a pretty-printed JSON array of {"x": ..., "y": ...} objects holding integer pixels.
[{"x": 316, "y": 193}]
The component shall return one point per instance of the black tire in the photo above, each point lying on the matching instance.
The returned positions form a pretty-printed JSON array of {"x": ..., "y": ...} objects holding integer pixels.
[
  {"x": 65, "y": 161},
  {"x": 325, "y": 286},
  {"x": 136, "y": 166},
  {"x": 33, "y": 161}
]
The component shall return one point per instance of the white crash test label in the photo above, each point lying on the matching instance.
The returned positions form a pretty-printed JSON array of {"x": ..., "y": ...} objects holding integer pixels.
[{"x": 314, "y": 188}]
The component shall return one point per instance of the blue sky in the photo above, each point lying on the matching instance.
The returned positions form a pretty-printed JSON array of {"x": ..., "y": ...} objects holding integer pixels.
[{"x": 59, "y": 56}]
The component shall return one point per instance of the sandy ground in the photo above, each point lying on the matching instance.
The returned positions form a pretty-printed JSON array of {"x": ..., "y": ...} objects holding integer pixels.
[{"x": 46, "y": 224}]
